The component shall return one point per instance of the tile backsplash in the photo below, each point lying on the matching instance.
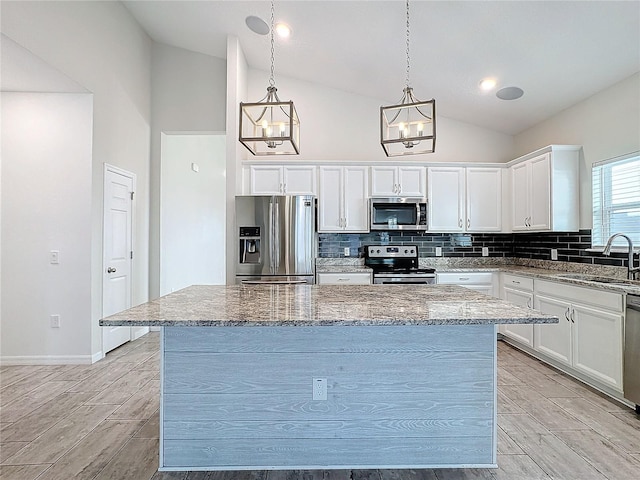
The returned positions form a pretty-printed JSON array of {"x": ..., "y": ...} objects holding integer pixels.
[{"x": 572, "y": 246}]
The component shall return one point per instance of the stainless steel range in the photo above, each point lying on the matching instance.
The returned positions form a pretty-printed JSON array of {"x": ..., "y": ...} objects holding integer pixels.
[{"x": 394, "y": 264}]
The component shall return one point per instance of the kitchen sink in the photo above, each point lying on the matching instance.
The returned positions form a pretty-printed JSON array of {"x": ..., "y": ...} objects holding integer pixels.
[{"x": 597, "y": 279}]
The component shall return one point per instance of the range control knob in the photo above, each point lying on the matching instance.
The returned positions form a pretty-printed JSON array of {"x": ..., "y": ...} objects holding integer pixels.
[
  {"x": 406, "y": 251},
  {"x": 378, "y": 251}
]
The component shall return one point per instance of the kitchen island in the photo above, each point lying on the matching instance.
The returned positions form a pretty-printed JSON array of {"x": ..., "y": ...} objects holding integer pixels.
[{"x": 304, "y": 377}]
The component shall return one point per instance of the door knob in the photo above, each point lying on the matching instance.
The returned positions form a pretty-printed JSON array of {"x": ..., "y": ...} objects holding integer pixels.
[{"x": 111, "y": 270}]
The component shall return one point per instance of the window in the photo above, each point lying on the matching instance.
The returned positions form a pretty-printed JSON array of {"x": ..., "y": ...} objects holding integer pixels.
[{"x": 616, "y": 200}]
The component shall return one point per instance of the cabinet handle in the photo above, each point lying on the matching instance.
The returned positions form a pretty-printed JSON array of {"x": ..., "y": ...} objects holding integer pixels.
[
  {"x": 566, "y": 314},
  {"x": 343, "y": 280},
  {"x": 399, "y": 188},
  {"x": 515, "y": 281},
  {"x": 462, "y": 279},
  {"x": 284, "y": 188},
  {"x": 572, "y": 316},
  {"x": 460, "y": 223},
  {"x": 528, "y": 303},
  {"x": 468, "y": 223}
]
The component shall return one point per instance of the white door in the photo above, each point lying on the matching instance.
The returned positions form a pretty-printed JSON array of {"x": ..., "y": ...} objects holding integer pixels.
[
  {"x": 266, "y": 180},
  {"x": 330, "y": 211},
  {"x": 299, "y": 180},
  {"x": 540, "y": 207},
  {"x": 446, "y": 199},
  {"x": 412, "y": 181},
  {"x": 553, "y": 339},
  {"x": 484, "y": 199},
  {"x": 384, "y": 182},
  {"x": 520, "y": 196},
  {"x": 117, "y": 252},
  {"x": 356, "y": 199},
  {"x": 519, "y": 332}
]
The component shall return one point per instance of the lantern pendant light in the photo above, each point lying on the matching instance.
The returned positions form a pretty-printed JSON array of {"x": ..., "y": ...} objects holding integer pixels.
[
  {"x": 408, "y": 128},
  {"x": 270, "y": 126}
]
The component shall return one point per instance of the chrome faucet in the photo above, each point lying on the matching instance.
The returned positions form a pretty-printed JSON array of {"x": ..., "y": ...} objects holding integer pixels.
[{"x": 631, "y": 270}]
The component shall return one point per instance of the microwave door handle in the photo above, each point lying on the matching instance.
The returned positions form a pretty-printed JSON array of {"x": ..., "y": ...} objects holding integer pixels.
[{"x": 417, "y": 214}]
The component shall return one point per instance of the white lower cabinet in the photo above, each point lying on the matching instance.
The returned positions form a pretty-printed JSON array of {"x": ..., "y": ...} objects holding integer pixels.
[
  {"x": 589, "y": 337},
  {"x": 482, "y": 282},
  {"x": 519, "y": 290},
  {"x": 351, "y": 278}
]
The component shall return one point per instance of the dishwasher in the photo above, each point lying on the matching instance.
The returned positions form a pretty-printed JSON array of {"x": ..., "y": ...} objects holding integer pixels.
[{"x": 631, "y": 366}]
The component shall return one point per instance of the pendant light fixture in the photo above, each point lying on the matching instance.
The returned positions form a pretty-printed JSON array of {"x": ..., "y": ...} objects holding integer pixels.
[
  {"x": 408, "y": 128},
  {"x": 270, "y": 126}
]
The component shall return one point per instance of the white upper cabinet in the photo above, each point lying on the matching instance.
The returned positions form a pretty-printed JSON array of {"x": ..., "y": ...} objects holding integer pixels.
[
  {"x": 406, "y": 181},
  {"x": 465, "y": 199},
  {"x": 343, "y": 199},
  {"x": 545, "y": 190},
  {"x": 280, "y": 180}
]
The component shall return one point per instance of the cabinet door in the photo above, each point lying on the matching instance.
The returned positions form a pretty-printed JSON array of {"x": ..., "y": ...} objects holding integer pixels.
[
  {"x": 300, "y": 180},
  {"x": 266, "y": 180},
  {"x": 540, "y": 204},
  {"x": 597, "y": 344},
  {"x": 519, "y": 332},
  {"x": 356, "y": 199},
  {"x": 519, "y": 197},
  {"x": 446, "y": 199},
  {"x": 384, "y": 182},
  {"x": 330, "y": 218},
  {"x": 484, "y": 199},
  {"x": 412, "y": 182},
  {"x": 553, "y": 339},
  {"x": 355, "y": 278}
]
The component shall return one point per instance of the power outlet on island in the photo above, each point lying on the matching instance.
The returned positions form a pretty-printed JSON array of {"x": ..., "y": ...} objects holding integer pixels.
[{"x": 319, "y": 388}]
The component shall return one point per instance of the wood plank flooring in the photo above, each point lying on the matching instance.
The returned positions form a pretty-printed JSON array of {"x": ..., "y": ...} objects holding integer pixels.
[{"x": 100, "y": 422}]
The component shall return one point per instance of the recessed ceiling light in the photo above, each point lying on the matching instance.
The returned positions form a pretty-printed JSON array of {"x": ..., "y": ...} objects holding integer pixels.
[
  {"x": 257, "y": 25},
  {"x": 283, "y": 30},
  {"x": 488, "y": 84},
  {"x": 509, "y": 93}
]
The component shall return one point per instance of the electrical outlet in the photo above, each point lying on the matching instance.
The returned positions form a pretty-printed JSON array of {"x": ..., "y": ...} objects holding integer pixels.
[
  {"x": 54, "y": 257},
  {"x": 54, "y": 321},
  {"x": 347, "y": 252},
  {"x": 485, "y": 251},
  {"x": 438, "y": 251},
  {"x": 554, "y": 254},
  {"x": 319, "y": 389}
]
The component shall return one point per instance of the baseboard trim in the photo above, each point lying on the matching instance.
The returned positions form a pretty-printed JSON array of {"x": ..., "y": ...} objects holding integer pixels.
[{"x": 50, "y": 359}]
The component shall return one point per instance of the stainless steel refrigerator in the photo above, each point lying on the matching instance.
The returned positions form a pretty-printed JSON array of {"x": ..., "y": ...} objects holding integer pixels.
[{"x": 276, "y": 239}]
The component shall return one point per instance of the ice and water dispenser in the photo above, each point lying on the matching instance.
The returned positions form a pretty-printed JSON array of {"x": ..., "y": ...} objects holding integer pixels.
[{"x": 249, "y": 245}]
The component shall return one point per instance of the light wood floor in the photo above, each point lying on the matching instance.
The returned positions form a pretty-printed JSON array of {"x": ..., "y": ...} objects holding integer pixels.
[{"x": 101, "y": 422}]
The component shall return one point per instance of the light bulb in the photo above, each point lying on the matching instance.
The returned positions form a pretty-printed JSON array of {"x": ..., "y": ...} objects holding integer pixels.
[
  {"x": 402, "y": 129},
  {"x": 265, "y": 128}
]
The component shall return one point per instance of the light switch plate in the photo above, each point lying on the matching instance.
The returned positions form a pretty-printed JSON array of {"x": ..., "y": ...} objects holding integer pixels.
[
  {"x": 485, "y": 251},
  {"x": 54, "y": 257},
  {"x": 438, "y": 251}
]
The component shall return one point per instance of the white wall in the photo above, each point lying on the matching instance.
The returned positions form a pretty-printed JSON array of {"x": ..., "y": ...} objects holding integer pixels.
[
  {"x": 46, "y": 205},
  {"x": 188, "y": 94},
  {"x": 606, "y": 124},
  {"x": 100, "y": 46},
  {"x": 338, "y": 125},
  {"x": 192, "y": 206}
]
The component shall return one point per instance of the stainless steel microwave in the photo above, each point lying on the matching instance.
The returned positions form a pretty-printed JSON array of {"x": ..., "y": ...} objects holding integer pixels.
[{"x": 398, "y": 213}]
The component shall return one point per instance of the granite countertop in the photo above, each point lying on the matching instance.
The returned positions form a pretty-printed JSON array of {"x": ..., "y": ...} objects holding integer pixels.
[
  {"x": 316, "y": 305},
  {"x": 554, "y": 271}
]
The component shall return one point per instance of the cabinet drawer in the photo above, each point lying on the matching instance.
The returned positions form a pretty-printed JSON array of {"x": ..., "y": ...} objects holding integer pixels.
[
  {"x": 465, "y": 278},
  {"x": 360, "y": 278},
  {"x": 588, "y": 296},
  {"x": 517, "y": 282}
]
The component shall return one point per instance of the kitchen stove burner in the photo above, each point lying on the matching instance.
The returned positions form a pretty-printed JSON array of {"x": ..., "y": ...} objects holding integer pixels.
[{"x": 397, "y": 264}]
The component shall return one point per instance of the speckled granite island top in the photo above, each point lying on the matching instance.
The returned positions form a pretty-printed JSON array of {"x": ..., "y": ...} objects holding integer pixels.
[{"x": 314, "y": 305}]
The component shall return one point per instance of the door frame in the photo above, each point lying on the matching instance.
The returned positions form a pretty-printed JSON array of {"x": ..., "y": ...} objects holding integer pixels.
[{"x": 134, "y": 333}]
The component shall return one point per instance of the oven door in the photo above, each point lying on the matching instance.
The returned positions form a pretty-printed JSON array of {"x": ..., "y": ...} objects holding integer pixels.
[
  {"x": 398, "y": 214},
  {"x": 395, "y": 279}
]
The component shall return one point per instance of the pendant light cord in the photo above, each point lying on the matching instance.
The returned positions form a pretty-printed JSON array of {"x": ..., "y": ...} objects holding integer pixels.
[
  {"x": 408, "y": 57},
  {"x": 272, "y": 81}
]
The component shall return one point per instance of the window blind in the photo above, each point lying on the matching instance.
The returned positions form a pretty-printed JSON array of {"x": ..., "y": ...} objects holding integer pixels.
[{"x": 616, "y": 200}]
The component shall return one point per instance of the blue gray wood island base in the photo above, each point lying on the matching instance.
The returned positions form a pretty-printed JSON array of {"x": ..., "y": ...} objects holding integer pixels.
[{"x": 321, "y": 377}]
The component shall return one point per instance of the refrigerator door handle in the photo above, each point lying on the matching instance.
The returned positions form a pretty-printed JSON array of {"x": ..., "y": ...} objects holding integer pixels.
[
  {"x": 276, "y": 230},
  {"x": 271, "y": 238}
]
